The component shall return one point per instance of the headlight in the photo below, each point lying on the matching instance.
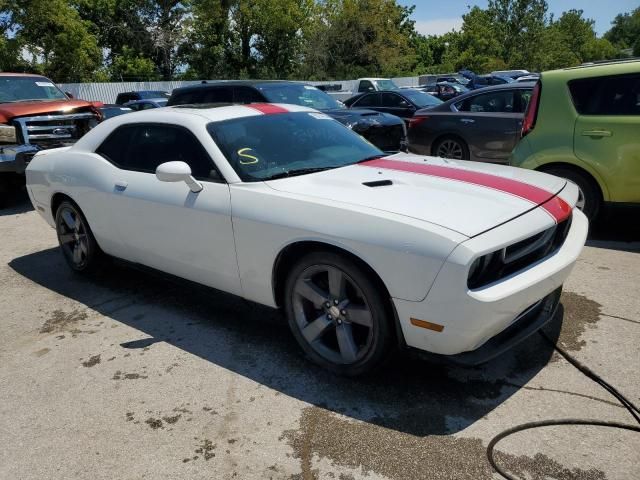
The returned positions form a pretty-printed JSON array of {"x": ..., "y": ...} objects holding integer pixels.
[
  {"x": 8, "y": 134},
  {"x": 482, "y": 267}
]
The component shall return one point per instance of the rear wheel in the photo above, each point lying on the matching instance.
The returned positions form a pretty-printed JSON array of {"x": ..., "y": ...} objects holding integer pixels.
[
  {"x": 589, "y": 197},
  {"x": 337, "y": 314},
  {"x": 77, "y": 243},
  {"x": 451, "y": 147}
]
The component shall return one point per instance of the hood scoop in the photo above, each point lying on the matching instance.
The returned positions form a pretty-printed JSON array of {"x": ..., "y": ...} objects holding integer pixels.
[{"x": 378, "y": 183}]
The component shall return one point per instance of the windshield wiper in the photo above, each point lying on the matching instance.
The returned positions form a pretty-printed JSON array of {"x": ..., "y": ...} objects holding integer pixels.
[{"x": 296, "y": 172}]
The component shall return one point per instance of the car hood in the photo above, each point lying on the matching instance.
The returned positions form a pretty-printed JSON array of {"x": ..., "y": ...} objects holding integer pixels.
[
  {"x": 362, "y": 116},
  {"x": 467, "y": 197},
  {"x": 9, "y": 111}
]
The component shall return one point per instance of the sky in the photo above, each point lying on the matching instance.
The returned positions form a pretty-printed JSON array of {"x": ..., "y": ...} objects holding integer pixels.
[{"x": 435, "y": 17}]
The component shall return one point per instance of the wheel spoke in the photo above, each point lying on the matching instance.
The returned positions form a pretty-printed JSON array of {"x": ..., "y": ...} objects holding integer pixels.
[
  {"x": 66, "y": 238},
  {"x": 77, "y": 254},
  {"x": 346, "y": 343},
  {"x": 83, "y": 247},
  {"x": 360, "y": 315},
  {"x": 315, "y": 329},
  {"x": 337, "y": 283},
  {"x": 67, "y": 216},
  {"x": 311, "y": 292}
]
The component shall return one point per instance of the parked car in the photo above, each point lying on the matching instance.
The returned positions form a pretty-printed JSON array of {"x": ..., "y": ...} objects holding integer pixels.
[
  {"x": 529, "y": 78},
  {"x": 583, "y": 124},
  {"x": 514, "y": 74},
  {"x": 36, "y": 115},
  {"x": 402, "y": 103},
  {"x": 385, "y": 131},
  {"x": 110, "y": 110},
  {"x": 482, "y": 125},
  {"x": 146, "y": 104},
  {"x": 287, "y": 208},
  {"x": 125, "y": 97},
  {"x": 375, "y": 85},
  {"x": 445, "y": 90}
]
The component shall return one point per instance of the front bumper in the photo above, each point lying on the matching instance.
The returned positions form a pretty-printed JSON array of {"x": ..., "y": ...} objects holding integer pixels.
[
  {"x": 15, "y": 158},
  {"x": 472, "y": 320}
]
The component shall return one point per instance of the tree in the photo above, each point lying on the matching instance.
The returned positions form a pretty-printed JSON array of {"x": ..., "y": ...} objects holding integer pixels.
[
  {"x": 58, "y": 40},
  {"x": 625, "y": 30},
  {"x": 352, "y": 38},
  {"x": 519, "y": 25}
]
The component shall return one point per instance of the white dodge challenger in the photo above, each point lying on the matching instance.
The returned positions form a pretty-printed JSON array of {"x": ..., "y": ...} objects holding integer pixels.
[{"x": 286, "y": 207}]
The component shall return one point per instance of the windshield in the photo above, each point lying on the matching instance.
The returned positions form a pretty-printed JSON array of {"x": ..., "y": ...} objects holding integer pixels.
[
  {"x": 386, "y": 85},
  {"x": 266, "y": 146},
  {"x": 299, "y": 94},
  {"x": 421, "y": 99},
  {"x": 22, "y": 89}
]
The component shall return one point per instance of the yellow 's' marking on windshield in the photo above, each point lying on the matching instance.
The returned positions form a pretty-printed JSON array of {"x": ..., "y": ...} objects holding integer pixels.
[{"x": 252, "y": 159}]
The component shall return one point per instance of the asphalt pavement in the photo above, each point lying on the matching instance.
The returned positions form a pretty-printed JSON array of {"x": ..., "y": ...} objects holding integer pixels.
[{"x": 126, "y": 375}]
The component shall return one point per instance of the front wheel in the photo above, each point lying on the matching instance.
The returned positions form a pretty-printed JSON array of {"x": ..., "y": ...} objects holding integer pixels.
[
  {"x": 589, "y": 197},
  {"x": 337, "y": 314},
  {"x": 77, "y": 243}
]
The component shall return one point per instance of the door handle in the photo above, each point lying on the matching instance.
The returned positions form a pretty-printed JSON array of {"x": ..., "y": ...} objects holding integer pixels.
[
  {"x": 467, "y": 120},
  {"x": 121, "y": 186},
  {"x": 596, "y": 133}
]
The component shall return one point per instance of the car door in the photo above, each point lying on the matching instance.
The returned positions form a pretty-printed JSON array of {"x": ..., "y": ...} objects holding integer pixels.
[
  {"x": 607, "y": 131},
  {"x": 164, "y": 225},
  {"x": 490, "y": 124},
  {"x": 396, "y": 105}
]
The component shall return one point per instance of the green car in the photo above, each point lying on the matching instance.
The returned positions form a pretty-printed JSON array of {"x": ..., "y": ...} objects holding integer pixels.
[{"x": 583, "y": 124}]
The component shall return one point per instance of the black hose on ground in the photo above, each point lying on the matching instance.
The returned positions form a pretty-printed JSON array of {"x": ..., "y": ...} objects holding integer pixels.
[{"x": 624, "y": 401}]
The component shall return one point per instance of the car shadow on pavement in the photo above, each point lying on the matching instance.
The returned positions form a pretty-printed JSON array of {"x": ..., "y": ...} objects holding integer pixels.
[
  {"x": 407, "y": 394},
  {"x": 15, "y": 203}
]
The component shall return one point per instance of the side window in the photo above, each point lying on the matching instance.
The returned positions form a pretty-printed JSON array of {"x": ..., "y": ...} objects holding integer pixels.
[
  {"x": 525, "y": 96},
  {"x": 501, "y": 101},
  {"x": 615, "y": 95},
  {"x": 392, "y": 100},
  {"x": 142, "y": 148},
  {"x": 246, "y": 95},
  {"x": 217, "y": 95},
  {"x": 365, "y": 86},
  {"x": 366, "y": 101}
]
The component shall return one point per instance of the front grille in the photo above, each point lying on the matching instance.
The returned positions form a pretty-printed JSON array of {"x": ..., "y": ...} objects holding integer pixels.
[
  {"x": 49, "y": 131},
  {"x": 520, "y": 255}
]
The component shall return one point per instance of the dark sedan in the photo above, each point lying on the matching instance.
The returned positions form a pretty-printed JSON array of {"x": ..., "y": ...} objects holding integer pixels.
[
  {"x": 402, "y": 103},
  {"x": 387, "y": 132},
  {"x": 482, "y": 125}
]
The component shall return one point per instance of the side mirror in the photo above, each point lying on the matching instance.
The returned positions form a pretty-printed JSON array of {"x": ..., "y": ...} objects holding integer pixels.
[
  {"x": 177, "y": 172},
  {"x": 69, "y": 94}
]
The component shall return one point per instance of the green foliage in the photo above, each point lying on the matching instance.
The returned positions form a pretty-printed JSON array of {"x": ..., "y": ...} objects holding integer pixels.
[
  {"x": 625, "y": 30},
  {"x": 111, "y": 40}
]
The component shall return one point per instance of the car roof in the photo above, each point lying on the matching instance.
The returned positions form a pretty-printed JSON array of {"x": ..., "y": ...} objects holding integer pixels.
[
  {"x": 235, "y": 83},
  {"x": 619, "y": 67}
]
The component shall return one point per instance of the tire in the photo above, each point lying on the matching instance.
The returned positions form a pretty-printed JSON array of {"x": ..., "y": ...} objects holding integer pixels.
[
  {"x": 590, "y": 198},
  {"x": 451, "y": 147},
  {"x": 77, "y": 243},
  {"x": 342, "y": 326}
]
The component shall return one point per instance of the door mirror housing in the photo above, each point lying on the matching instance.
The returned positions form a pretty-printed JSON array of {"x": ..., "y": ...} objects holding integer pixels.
[
  {"x": 69, "y": 94},
  {"x": 177, "y": 172}
]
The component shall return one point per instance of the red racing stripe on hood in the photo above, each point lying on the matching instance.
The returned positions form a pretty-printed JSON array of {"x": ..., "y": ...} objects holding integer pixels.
[
  {"x": 267, "y": 108},
  {"x": 552, "y": 204}
]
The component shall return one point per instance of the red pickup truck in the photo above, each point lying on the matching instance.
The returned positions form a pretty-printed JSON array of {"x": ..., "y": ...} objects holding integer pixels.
[{"x": 34, "y": 115}]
